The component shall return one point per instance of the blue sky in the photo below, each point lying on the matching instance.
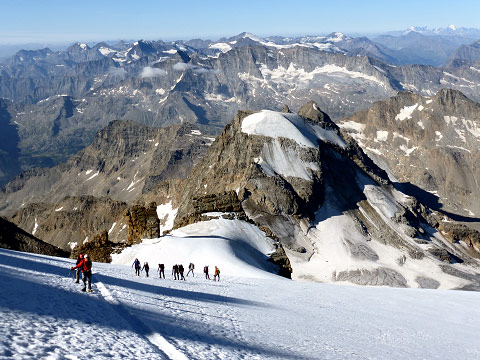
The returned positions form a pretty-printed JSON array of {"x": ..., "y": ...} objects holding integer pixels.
[{"x": 23, "y": 21}]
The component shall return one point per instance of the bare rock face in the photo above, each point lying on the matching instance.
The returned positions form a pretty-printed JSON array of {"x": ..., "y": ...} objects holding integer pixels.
[
  {"x": 99, "y": 249},
  {"x": 142, "y": 223},
  {"x": 73, "y": 220},
  {"x": 456, "y": 232},
  {"x": 227, "y": 204},
  {"x": 429, "y": 145},
  {"x": 14, "y": 238},
  {"x": 427, "y": 283},
  {"x": 230, "y": 166},
  {"x": 312, "y": 112},
  {"x": 377, "y": 277},
  {"x": 124, "y": 161}
]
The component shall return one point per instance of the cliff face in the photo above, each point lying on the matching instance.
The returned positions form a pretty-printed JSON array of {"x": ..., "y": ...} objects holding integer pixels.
[
  {"x": 429, "y": 145},
  {"x": 142, "y": 223}
]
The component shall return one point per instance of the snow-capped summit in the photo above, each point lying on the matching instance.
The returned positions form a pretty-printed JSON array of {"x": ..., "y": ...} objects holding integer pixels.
[
  {"x": 337, "y": 37},
  {"x": 251, "y": 36},
  {"x": 418, "y": 29}
]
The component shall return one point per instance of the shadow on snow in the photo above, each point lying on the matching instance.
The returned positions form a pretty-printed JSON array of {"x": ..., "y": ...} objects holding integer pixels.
[{"x": 63, "y": 302}]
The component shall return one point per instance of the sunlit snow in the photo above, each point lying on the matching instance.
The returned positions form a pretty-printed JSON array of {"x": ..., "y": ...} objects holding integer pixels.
[
  {"x": 406, "y": 112},
  {"x": 276, "y": 124}
]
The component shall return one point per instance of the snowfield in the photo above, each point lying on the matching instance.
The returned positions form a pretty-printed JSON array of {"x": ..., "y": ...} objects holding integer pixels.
[{"x": 247, "y": 315}]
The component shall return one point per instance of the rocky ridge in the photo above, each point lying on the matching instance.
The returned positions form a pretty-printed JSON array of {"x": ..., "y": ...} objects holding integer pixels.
[
  {"x": 142, "y": 222},
  {"x": 73, "y": 220},
  {"x": 428, "y": 145},
  {"x": 125, "y": 160},
  {"x": 62, "y": 100},
  {"x": 14, "y": 238}
]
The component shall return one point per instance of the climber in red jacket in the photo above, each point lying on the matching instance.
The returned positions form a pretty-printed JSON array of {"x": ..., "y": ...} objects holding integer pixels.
[{"x": 86, "y": 266}]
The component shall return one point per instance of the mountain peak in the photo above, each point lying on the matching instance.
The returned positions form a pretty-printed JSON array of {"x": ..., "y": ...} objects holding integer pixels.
[
  {"x": 336, "y": 37},
  {"x": 313, "y": 112}
]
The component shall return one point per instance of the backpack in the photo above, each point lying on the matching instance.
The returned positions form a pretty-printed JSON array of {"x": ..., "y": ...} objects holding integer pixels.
[{"x": 87, "y": 265}]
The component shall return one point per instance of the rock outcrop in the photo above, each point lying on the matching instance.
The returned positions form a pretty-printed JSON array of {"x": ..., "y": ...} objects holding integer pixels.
[
  {"x": 99, "y": 249},
  {"x": 142, "y": 223}
]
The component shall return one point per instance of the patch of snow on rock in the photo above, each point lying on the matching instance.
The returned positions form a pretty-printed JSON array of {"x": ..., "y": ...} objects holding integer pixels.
[
  {"x": 284, "y": 161},
  {"x": 113, "y": 226},
  {"x": 408, "y": 150},
  {"x": 35, "y": 227},
  {"x": 223, "y": 47},
  {"x": 382, "y": 135},
  {"x": 473, "y": 127},
  {"x": 450, "y": 119},
  {"x": 406, "y": 112},
  {"x": 166, "y": 213},
  {"x": 105, "y": 51},
  {"x": 94, "y": 175},
  {"x": 380, "y": 201}
]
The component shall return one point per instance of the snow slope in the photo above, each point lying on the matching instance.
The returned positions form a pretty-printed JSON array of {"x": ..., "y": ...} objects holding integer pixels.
[
  {"x": 45, "y": 316},
  {"x": 235, "y": 245},
  {"x": 291, "y": 126}
]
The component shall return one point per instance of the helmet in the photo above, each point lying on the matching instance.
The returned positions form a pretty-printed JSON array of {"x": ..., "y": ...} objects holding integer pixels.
[
  {"x": 81, "y": 256},
  {"x": 86, "y": 256}
]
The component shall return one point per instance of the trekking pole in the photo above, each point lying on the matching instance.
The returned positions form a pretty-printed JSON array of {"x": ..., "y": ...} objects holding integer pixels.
[{"x": 73, "y": 274}]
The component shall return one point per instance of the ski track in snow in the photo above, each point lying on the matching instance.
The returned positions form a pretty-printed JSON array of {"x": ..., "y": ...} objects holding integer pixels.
[
  {"x": 167, "y": 350},
  {"x": 45, "y": 316}
]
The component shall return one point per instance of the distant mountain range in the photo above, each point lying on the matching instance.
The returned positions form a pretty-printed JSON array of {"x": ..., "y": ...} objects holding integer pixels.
[
  {"x": 55, "y": 101},
  {"x": 451, "y": 31}
]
